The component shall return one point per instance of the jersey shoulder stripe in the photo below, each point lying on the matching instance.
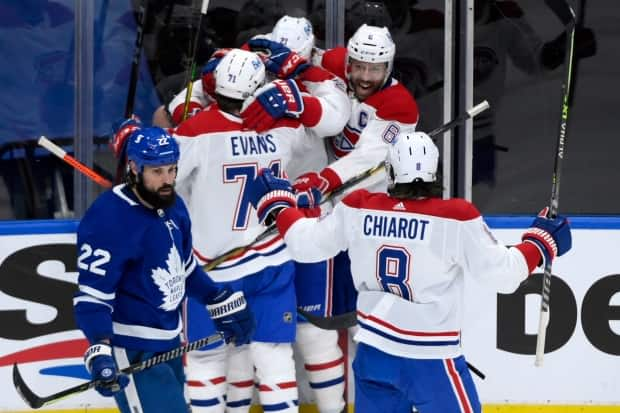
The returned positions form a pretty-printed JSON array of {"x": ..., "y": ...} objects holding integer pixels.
[{"x": 455, "y": 208}]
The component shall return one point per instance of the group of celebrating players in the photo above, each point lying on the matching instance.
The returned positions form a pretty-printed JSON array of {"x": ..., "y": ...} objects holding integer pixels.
[{"x": 214, "y": 170}]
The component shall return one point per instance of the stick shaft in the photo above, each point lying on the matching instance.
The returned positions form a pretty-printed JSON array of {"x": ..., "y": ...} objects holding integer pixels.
[
  {"x": 135, "y": 62},
  {"x": 60, "y": 153},
  {"x": 482, "y": 106},
  {"x": 566, "y": 14},
  {"x": 192, "y": 66},
  {"x": 35, "y": 401}
]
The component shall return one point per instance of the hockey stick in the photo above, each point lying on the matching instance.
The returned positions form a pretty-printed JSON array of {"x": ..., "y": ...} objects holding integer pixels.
[
  {"x": 62, "y": 154},
  {"x": 566, "y": 14},
  {"x": 35, "y": 401},
  {"x": 482, "y": 106},
  {"x": 192, "y": 66},
  {"x": 133, "y": 79}
]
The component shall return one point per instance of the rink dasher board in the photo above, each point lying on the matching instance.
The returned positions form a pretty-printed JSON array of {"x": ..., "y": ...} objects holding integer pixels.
[{"x": 577, "y": 377}]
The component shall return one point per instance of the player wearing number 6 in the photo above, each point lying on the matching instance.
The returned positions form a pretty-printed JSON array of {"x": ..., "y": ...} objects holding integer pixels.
[{"x": 410, "y": 253}]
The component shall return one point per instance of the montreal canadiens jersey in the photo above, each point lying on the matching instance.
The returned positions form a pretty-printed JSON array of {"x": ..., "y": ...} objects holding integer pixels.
[
  {"x": 135, "y": 268},
  {"x": 218, "y": 162},
  {"x": 326, "y": 111},
  {"x": 409, "y": 259},
  {"x": 373, "y": 123}
]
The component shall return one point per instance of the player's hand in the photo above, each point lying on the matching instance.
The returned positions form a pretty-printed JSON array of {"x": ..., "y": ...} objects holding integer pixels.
[
  {"x": 271, "y": 102},
  {"x": 279, "y": 60},
  {"x": 552, "y": 236},
  {"x": 311, "y": 180},
  {"x": 309, "y": 202},
  {"x": 102, "y": 367},
  {"x": 208, "y": 72},
  {"x": 232, "y": 316},
  {"x": 269, "y": 195},
  {"x": 122, "y": 129}
]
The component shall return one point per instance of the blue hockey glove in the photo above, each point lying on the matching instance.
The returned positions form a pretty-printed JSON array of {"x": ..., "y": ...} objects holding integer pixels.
[
  {"x": 280, "y": 60},
  {"x": 309, "y": 202},
  {"x": 551, "y": 236},
  {"x": 271, "y": 102},
  {"x": 101, "y": 366},
  {"x": 269, "y": 195},
  {"x": 122, "y": 129},
  {"x": 232, "y": 316}
]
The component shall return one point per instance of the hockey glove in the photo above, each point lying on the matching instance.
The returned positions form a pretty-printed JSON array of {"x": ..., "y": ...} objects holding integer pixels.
[
  {"x": 269, "y": 195},
  {"x": 311, "y": 180},
  {"x": 208, "y": 72},
  {"x": 551, "y": 236},
  {"x": 101, "y": 366},
  {"x": 271, "y": 102},
  {"x": 280, "y": 60},
  {"x": 122, "y": 129},
  {"x": 232, "y": 316},
  {"x": 309, "y": 202}
]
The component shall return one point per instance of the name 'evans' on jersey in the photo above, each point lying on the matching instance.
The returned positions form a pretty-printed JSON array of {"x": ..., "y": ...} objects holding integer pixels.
[
  {"x": 244, "y": 145},
  {"x": 396, "y": 227}
]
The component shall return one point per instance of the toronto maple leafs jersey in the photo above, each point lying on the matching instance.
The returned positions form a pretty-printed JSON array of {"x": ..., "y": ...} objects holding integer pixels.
[
  {"x": 135, "y": 268},
  {"x": 409, "y": 260},
  {"x": 218, "y": 161},
  {"x": 373, "y": 124}
]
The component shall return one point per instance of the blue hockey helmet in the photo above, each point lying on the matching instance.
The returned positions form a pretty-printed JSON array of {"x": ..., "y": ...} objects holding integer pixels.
[{"x": 153, "y": 147}]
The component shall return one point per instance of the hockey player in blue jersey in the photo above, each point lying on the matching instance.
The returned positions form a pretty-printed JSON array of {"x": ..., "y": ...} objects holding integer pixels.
[
  {"x": 135, "y": 268},
  {"x": 411, "y": 252}
]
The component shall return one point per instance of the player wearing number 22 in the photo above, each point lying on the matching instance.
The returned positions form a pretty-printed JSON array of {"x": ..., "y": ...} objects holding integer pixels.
[
  {"x": 135, "y": 268},
  {"x": 410, "y": 253}
]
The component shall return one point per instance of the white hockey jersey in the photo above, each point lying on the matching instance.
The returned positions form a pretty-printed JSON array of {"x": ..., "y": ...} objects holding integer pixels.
[
  {"x": 373, "y": 123},
  {"x": 218, "y": 159},
  {"x": 409, "y": 259}
]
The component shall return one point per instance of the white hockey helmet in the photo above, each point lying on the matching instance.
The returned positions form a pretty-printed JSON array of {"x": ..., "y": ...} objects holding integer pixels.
[
  {"x": 239, "y": 74},
  {"x": 295, "y": 33},
  {"x": 412, "y": 156},
  {"x": 372, "y": 44}
]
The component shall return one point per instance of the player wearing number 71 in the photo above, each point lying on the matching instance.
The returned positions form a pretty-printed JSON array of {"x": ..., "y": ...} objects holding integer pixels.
[{"x": 410, "y": 253}]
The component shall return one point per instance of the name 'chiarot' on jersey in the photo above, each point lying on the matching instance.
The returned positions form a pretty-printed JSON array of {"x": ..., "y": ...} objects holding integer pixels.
[{"x": 396, "y": 227}]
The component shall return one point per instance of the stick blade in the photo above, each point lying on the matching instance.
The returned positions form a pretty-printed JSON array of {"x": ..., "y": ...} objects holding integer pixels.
[
  {"x": 24, "y": 391},
  {"x": 562, "y": 10},
  {"x": 337, "y": 322}
]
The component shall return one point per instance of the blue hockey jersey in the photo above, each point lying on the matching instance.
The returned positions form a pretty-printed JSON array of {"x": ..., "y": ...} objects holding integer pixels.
[{"x": 135, "y": 268}]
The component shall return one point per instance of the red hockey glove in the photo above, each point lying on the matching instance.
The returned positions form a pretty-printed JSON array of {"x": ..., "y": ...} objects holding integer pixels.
[
  {"x": 311, "y": 180},
  {"x": 309, "y": 202},
  {"x": 122, "y": 129},
  {"x": 208, "y": 71}
]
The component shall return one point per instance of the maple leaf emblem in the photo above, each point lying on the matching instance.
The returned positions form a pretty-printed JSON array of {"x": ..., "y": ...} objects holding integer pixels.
[{"x": 171, "y": 280}]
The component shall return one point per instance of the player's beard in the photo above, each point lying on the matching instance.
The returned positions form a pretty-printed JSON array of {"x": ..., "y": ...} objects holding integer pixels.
[{"x": 163, "y": 197}]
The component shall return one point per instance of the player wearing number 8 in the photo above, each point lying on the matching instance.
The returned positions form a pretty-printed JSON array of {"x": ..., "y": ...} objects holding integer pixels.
[{"x": 410, "y": 298}]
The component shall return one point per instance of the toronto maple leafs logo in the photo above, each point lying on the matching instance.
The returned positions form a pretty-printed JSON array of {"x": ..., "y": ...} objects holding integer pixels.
[{"x": 171, "y": 280}]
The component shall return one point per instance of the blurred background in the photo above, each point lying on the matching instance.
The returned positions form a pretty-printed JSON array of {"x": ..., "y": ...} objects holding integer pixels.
[{"x": 67, "y": 76}]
